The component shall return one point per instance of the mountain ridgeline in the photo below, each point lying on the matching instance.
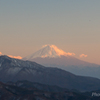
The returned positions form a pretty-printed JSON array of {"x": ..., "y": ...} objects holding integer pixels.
[
  {"x": 24, "y": 90},
  {"x": 52, "y": 56},
  {"x": 14, "y": 70}
]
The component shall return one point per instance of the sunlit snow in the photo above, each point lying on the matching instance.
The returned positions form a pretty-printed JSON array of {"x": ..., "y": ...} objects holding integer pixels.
[{"x": 49, "y": 51}]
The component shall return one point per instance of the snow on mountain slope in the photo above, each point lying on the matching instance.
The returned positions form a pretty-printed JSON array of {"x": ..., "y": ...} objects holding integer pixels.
[
  {"x": 50, "y": 51},
  {"x": 51, "y": 56},
  {"x": 17, "y": 70}
]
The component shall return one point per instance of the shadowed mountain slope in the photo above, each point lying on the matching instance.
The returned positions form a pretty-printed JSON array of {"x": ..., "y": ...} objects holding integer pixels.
[
  {"x": 13, "y": 92},
  {"x": 13, "y": 70}
]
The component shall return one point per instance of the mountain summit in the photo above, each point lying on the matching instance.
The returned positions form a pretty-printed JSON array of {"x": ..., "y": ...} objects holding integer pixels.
[
  {"x": 50, "y": 51},
  {"x": 52, "y": 56}
]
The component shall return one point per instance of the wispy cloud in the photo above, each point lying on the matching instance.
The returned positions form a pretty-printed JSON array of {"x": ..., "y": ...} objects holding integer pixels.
[
  {"x": 70, "y": 54},
  {"x": 17, "y": 57},
  {"x": 83, "y": 55},
  {"x": 0, "y": 53}
]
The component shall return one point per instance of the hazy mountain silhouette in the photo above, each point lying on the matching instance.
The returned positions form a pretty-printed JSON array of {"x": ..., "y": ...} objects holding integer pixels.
[{"x": 52, "y": 56}]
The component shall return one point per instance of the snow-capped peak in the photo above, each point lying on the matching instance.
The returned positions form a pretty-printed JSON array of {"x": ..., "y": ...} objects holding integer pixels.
[
  {"x": 48, "y": 51},
  {"x": 52, "y": 51}
]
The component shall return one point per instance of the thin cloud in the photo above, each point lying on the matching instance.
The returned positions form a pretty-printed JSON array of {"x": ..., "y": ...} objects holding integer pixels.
[
  {"x": 0, "y": 53},
  {"x": 17, "y": 57},
  {"x": 83, "y": 55},
  {"x": 70, "y": 54}
]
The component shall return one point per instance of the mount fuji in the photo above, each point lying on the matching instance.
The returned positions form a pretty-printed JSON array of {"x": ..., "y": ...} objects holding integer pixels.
[
  {"x": 50, "y": 51},
  {"x": 52, "y": 56}
]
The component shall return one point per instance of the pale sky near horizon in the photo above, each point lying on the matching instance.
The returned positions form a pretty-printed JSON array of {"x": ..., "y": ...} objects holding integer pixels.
[{"x": 71, "y": 25}]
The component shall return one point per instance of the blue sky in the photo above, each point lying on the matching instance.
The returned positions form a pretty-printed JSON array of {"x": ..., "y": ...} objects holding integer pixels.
[{"x": 72, "y": 25}]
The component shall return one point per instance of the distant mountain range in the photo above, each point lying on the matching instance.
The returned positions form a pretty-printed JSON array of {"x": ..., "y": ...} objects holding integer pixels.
[
  {"x": 14, "y": 70},
  {"x": 52, "y": 56}
]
